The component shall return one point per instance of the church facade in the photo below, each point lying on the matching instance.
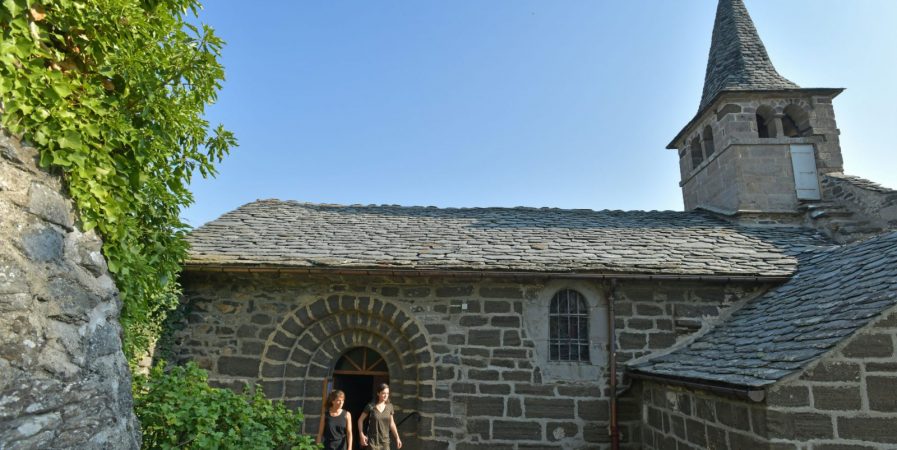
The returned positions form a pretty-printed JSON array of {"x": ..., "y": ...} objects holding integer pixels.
[{"x": 763, "y": 316}]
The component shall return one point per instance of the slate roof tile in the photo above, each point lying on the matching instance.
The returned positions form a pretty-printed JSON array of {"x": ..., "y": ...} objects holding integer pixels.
[
  {"x": 836, "y": 291},
  {"x": 282, "y": 233}
]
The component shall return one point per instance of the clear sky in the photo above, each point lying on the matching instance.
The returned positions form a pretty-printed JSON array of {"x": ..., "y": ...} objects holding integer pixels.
[{"x": 465, "y": 103}]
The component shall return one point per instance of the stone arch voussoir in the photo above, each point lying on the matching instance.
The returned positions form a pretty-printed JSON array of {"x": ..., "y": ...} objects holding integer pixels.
[{"x": 300, "y": 353}]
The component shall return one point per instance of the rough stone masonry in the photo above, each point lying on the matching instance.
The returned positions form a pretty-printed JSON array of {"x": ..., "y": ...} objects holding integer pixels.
[{"x": 64, "y": 381}]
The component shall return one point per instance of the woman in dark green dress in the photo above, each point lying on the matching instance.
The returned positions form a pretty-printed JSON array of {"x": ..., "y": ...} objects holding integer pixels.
[
  {"x": 335, "y": 431},
  {"x": 381, "y": 423}
]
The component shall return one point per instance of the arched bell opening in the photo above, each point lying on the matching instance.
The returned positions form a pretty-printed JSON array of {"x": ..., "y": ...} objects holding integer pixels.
[
  {"x": 795, "y": 122},
  {"x": 766, "y": 127}
]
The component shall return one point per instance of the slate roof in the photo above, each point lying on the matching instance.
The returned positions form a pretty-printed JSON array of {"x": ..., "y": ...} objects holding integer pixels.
[
  {"x": 837, "y": 291},
  {"x": 863, "y": 183},
  {"x": 292, "y": 234},
  {"x": 738, "y": 60}
]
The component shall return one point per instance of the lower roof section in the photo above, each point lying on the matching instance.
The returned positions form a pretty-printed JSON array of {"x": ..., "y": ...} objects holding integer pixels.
[{"x": 836, "y": 292}]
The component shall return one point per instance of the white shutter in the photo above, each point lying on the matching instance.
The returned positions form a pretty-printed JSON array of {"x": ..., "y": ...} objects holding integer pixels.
[{"x": 806, "y": 182}]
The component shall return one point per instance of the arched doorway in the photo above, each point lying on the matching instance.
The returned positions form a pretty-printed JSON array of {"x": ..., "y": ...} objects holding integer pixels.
[
  {"x": 302, "y": 353},
  {"x": 357, "y": 373}
]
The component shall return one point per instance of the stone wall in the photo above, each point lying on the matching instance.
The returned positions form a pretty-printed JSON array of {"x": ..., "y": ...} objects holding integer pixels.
[
  {"x": 653, "y": 316},
  {"x": 873, "y": 207},
  {"x": 679, "y": 418},
  {"x": 712, "y": 185},
  {"x": 846, "y": 400},
  {"x": 469, "y": 355},
  {"x": 64, "y": 382}
]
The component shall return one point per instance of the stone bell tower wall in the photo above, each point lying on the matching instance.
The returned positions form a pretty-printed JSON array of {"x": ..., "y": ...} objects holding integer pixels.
[{"x": 737, "y": 156}]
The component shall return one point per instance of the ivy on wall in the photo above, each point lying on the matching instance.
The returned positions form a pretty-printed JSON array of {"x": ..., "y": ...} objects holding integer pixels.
[{"x": 112, "y": 93}]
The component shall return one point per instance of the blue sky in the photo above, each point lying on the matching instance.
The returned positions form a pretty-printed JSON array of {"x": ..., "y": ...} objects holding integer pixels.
[{"x": 465, "y": 103}]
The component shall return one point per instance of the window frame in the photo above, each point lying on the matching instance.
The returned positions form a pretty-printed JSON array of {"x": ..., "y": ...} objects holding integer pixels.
[{"x": 566, "y": 342}]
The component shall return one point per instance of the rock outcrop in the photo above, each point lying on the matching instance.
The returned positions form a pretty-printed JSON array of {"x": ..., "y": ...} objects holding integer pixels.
[{"x": 64, "y": 381}]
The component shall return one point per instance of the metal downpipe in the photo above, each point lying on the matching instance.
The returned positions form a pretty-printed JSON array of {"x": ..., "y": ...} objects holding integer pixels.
[{"x": 612, "y": 362}]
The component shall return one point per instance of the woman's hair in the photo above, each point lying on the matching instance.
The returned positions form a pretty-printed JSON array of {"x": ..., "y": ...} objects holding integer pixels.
[
  {"x": 333, "y": 395},
  {"x": 380, "y": 388}
]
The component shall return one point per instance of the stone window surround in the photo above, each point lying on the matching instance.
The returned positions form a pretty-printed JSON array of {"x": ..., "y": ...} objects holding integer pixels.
[{"x": 535, "y": 312}]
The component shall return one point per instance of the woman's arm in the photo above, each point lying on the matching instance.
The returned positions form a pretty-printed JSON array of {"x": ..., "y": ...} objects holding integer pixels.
[
  {"x": 348, "y": 430},
  {"x": 364, "y": 439},
  {"x": 320, "y": 431},
  {"x": 395, "y": 431}
]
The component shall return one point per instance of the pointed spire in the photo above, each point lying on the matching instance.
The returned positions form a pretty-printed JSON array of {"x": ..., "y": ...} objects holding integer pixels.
[{"x": 738, "y": 60}]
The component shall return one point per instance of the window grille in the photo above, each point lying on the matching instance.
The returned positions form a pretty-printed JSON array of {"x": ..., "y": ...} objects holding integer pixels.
[{"x": 569, "y": 324}]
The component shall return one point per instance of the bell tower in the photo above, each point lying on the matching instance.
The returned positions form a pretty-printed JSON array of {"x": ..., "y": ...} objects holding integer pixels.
[{"x": 759, "y": 142}]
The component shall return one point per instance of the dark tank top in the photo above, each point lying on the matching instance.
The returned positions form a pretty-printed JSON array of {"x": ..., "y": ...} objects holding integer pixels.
[{"x": 335, "y": 431}]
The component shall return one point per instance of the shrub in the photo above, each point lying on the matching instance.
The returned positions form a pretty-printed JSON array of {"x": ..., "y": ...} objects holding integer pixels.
[
  {"x": 113, "y": 93},
  {"x": 178, "y": 409}
]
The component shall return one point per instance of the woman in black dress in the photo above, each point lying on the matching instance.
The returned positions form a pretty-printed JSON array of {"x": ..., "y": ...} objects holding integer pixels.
[{"x": 335, "y": 431}]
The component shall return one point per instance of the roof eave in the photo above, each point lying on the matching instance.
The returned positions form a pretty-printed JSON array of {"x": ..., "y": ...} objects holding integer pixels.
[
  {"x": 197, "y": 266},
  {"x": 673, "y": 145},
  {"x": 745, "y": 392}
]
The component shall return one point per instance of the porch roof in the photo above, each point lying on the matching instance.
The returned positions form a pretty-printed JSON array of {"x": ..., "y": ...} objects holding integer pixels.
[{"x": 836, "y": 292}]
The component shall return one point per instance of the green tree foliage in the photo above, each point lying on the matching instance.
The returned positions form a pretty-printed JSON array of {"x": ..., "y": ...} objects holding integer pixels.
[
  {"x": 113, "y": 92},
  {"x": 178, "y": 409}
]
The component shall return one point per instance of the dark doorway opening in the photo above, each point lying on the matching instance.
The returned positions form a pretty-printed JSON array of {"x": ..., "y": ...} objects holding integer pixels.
[{"x": 357, "y": 373}]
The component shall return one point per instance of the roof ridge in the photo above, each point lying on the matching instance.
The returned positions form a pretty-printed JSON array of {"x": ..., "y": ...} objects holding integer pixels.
[{"x": 451, "y": 208}]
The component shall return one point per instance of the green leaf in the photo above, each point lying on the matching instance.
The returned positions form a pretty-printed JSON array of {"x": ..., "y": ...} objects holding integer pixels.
[
  {"x": 41, "y": 138},
  {"x": 15, "y": 7},
  {"x": 70, "y": 139},
  {"x": 61, "y": 160},
  {"x": 62, "y": 89},
  {"x": 46, "y": 159}
]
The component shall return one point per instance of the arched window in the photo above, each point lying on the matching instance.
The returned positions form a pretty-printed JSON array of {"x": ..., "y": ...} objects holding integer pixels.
[
  {"x": 696, "y": 156},
  {"x": 795, "y": 121},
  {"x": 707, "y": 137},
  {"x": 568, "y": 320},
  {"x": 765, "y": 122}
]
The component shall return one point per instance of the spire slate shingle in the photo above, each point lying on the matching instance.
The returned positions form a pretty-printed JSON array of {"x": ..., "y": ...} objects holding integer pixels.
[{"x": 738, "y": 60}]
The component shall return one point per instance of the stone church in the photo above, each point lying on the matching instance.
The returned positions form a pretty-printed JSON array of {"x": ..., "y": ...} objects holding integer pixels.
[{"x": 764, "y": 316}]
